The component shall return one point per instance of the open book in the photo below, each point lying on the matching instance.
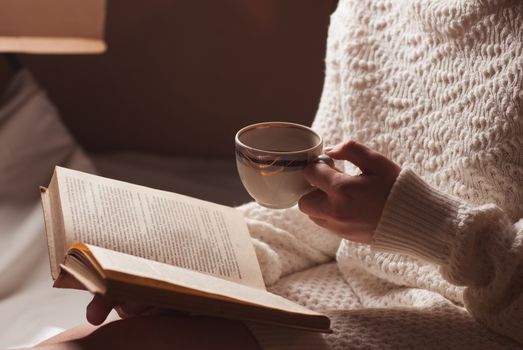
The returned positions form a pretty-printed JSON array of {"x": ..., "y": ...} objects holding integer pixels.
[{"x": 135, "y": 243}]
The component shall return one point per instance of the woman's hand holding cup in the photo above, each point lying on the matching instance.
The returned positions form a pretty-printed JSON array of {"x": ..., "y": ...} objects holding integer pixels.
[
  {"x": 350, "y": 206},
  {"x": 283, "y": 163}
]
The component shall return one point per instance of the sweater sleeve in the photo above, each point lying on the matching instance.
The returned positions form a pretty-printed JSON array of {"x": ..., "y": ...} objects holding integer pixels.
[{"x": 476, "y": 247}]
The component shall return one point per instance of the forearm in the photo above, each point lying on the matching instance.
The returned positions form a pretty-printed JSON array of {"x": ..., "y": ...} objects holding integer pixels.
[{"x": 476, "y": 247}]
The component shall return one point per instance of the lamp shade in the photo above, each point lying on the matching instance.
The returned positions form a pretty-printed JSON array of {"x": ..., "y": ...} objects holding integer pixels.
[{"x": 52, "y": 26}]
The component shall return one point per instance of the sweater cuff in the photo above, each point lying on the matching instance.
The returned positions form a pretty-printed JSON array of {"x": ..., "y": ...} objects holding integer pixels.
[{"x": 417, "y": 220}]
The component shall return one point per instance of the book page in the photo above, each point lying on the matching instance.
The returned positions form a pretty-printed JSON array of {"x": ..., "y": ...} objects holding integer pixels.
[
  {"x": 56, "y": 254},
  {"x": 53, "y": 225},
  {"x": 158, "y": 225},
  {"x": 198, "y": 283}
]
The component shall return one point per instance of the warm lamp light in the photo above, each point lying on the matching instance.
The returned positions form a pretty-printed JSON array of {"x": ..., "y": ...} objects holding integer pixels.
[{"x": 52, "y": 26}]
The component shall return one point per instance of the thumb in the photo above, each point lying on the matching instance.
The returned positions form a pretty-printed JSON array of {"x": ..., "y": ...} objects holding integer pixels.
[
  {"x": 98, "y": 309},
  {"x": 369, "y": 161}
]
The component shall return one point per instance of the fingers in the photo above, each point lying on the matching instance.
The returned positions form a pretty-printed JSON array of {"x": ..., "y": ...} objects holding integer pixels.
[
  {"x": 131, "y": 309},
  {"x": 98, "y": 309},
  {"x": 346, "y": 231},
  {"x": 314, "y": 204},
  {"x": 323, "y": 176},
  {"x": 369, "y": 161}
]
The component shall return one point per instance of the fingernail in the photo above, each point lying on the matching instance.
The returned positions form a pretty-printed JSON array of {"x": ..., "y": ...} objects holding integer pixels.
[
  {"x": 336, "y": 148},
  {"x": 327, "y": 149}
]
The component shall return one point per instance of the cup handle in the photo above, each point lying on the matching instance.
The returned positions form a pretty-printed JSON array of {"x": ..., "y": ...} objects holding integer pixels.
[{"x": 326, "y": 159}]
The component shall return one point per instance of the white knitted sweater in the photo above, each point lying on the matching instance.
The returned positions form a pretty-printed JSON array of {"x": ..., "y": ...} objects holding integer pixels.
[{"x": 437, "y": 86}]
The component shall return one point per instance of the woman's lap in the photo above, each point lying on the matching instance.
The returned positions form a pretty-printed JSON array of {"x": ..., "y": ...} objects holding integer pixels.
[{"x": 167, "y": 331}]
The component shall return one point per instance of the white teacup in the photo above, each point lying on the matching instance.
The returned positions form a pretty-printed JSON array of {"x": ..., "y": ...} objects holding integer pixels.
[{"x": 270, "y": 158}]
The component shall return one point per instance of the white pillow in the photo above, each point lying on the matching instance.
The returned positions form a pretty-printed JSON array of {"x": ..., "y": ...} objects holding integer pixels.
[{"x": 32, "y": 141}]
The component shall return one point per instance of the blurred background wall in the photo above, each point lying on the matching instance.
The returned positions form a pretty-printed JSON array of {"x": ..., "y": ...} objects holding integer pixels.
[{"x": 180, "y": 77}]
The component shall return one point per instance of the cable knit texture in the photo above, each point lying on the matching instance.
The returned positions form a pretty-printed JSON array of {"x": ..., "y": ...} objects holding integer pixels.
[{"x": 436, "y": 86}]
